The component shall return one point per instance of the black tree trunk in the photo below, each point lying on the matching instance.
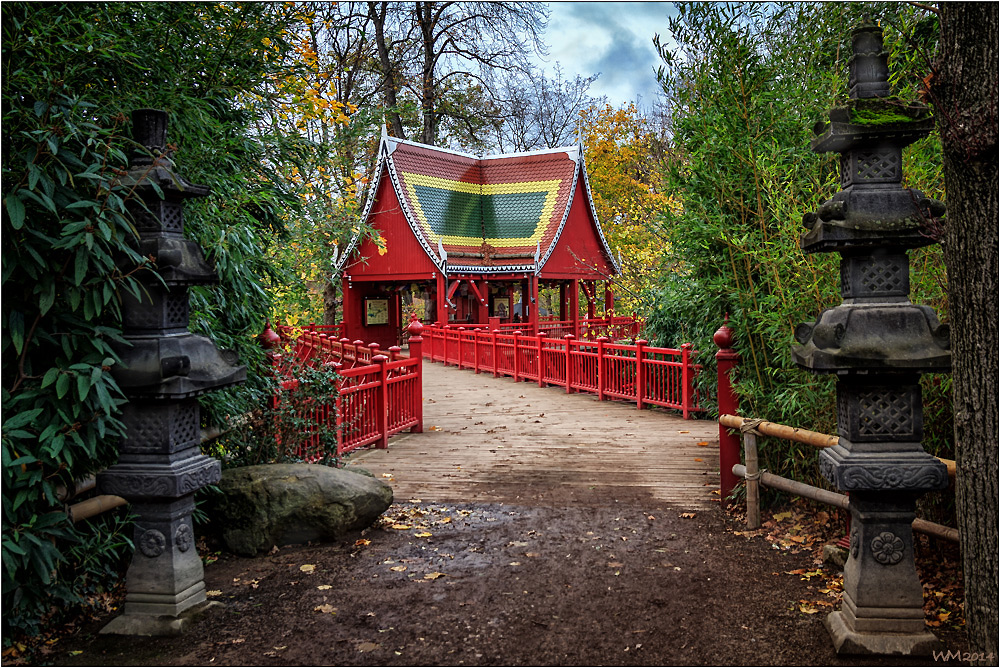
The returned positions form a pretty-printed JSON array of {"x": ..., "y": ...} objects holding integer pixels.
[{"x": 964, "y": 91}]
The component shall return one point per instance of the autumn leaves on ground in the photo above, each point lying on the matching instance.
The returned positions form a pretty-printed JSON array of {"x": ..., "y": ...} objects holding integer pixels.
[{"x": 632, "y": 582}]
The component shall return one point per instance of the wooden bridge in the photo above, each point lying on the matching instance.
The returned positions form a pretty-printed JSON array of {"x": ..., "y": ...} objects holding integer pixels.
[{"x": 489, "y": 439}]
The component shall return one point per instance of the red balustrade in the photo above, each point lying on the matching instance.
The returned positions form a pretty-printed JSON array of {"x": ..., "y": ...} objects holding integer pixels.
[
  {"x": 379, "y": 393},
  {"x": 629, "y": 372}
]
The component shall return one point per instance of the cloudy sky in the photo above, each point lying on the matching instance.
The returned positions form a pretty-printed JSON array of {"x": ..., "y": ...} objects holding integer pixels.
[{"x": 614, "y": 39}]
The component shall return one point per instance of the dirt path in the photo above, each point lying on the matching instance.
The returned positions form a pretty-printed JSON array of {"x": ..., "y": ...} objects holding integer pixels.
[{"x": 518, "y": 546}]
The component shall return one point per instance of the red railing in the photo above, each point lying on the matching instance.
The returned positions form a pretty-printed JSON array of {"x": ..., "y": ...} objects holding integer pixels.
[
  {"x": 630, "y": 372},
  {"x": 379, "y": 393},
  {"x": 616, "y": 328}
]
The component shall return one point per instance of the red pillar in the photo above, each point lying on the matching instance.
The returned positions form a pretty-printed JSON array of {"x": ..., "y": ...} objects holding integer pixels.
[
  {"x": 574, "y": 305},
  {"x": 382, "y": 403},
  {"x": 640, "y": 372},
  {"x": 569, "y": 362},
  {"x": 442, "y": 293},
  {"x": 540, "y": 365},
  {"x": 536, "y": 307},
  {"x": 415, "y": 329},
  {"x": 729, "y": 444}
]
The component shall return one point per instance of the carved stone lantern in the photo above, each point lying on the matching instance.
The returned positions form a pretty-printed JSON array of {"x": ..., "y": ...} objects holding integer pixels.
[
  {"x": 164, "y": 369},
  {"x": 877, "y": 343}
]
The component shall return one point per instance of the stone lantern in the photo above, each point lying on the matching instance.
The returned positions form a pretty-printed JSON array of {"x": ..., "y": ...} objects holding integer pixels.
[
  {"x": 164, "y": 369},
  {"x": 877, "y": 343}
]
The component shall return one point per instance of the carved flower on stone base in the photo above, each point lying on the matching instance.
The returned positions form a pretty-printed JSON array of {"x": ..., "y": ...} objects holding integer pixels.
[{"x": 888, "y": 548}]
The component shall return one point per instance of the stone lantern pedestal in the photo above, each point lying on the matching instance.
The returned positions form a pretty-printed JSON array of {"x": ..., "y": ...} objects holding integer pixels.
[
  {"x": 877, "y": 343},
  {"x": 164, "y": 369}
]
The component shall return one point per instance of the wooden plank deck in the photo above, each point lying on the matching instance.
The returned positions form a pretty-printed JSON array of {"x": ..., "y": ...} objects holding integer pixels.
[{"x": 490, "y": 439}]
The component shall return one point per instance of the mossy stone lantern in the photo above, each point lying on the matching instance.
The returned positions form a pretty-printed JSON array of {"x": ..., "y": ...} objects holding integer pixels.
[
  {"x": 164, "y": 369},
  {"x": 877, "y": 343}
]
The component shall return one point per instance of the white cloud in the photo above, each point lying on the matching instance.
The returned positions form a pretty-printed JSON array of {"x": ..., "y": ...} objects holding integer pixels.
[{"x": 614, "y": 39}]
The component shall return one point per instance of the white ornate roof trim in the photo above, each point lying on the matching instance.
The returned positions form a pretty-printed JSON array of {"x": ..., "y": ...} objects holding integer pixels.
[
  {"x": 492, "y": 269},
  {"x": 353, "y": 244},
  {"x": 593, "y": 212},
  {"x": 396, "y": 140},
  {"x": 571, "y": 153},
  {"x": 565, "y": 216},
  {"x": 404, "y": 204}
]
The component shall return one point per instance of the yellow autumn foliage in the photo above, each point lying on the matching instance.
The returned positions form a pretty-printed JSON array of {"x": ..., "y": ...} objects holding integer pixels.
[{"x": 621, "y": 150}]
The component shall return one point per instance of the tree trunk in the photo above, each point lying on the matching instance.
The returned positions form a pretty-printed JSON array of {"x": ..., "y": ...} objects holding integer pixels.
[
  {"x": 964, "y": 91},
  {"x": 330, "y": 303},
  {"x": 377, "y": 12},
  {"x": 426, "y": 19}
]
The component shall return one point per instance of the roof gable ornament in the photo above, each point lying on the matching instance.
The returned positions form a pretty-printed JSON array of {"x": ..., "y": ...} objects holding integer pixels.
[{"x": 442, "y": 253}]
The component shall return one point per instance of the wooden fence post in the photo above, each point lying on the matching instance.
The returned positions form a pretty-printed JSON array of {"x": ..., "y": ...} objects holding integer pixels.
[
  {"x": 475, "y": 350},
  {"x": 444, "y": 337},
  {"x": 382, "y": 402},
  {"x": 729, "y": 444},
  {"x": 753, "y": 480},
  {"x": 569, "y": 362},
  {"x": 493, "y": 344},
  {"x": 540, "y": 364},
  {"x": 601, "y": 340},
  {"x": 517, "y": 355},
  {"x": 416, "y": 342},
  {"x": 640, "y": 374},
  {"x": 686, "y": 378}
]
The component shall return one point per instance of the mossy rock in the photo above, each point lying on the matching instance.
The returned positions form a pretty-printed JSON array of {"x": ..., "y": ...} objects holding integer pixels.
[{"x": 281, "y": 504}]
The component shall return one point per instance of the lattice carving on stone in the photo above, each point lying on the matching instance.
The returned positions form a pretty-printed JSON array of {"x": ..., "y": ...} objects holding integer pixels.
[
  {"x": 147, "y": 433},
  {"x": 886, "y": 413},
  {"x": 878, "y": 165},
  {"x": 845, "y": 171},
  {"x": 845, "y": 279},
  {"x": 172, "y": 217},
  {"x": 176, "y": 310},
  {"x": 186, "y": 428},
  {"x": 843, "y": 414},
  {"x": 882, "y": 276}
]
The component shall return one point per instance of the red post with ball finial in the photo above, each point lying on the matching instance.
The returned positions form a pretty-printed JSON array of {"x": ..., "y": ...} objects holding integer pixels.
[{"x": 729, "y": 444}]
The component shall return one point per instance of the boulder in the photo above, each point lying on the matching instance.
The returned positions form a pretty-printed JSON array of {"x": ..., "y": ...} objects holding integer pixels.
[{"x": 282, "y": 504}]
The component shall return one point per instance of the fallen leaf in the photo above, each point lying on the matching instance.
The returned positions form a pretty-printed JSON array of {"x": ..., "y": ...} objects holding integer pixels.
[
  {"x": 326, "y": 608},
  {"x": 401, "y": 526},
  {"x": 808, "y": 608},
  {"x": 433, "y": 576},
  {"x": 367, "y": 647},
  {"x": 703, "y": 443},
  {"x": 687, "y": 516},
  {"x": 398, "y": 569},
  {"x": 531, "y": 554},
  {"x": 684, "y": 432},
  {"x": 435, "y": 428},
  {"x": 386, "y": 475},
  {"x": 307, "y": 568},
  {"x": 515, "y": 563},
  {"x": 324, "y": 587},
  {"x": 361, "y": 542},
  {"x": 213, "y": 592},
  {"x": 615, "y": 564},
  {"x": 787, "y": 515},
  {"x": 423, "y": 534},
  {"x": 75, "y": 652},
  {"x": 281, "y": 648},
  {"x": 698, "y": 459}
]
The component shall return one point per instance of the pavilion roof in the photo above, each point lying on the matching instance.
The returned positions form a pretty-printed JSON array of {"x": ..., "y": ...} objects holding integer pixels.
[{"x": 484, "y": 214}]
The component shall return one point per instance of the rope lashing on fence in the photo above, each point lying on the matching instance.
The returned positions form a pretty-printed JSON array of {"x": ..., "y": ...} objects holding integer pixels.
[{"x": 749, "y": 426}]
